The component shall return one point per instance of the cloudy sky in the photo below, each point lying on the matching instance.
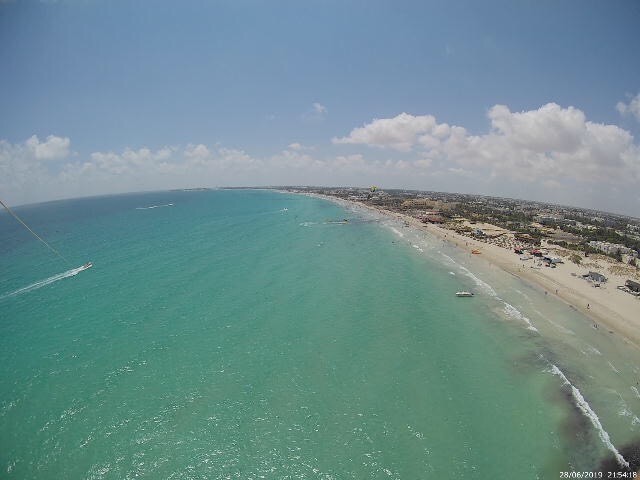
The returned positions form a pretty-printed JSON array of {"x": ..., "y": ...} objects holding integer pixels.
[{"x": 536, "y": 99}]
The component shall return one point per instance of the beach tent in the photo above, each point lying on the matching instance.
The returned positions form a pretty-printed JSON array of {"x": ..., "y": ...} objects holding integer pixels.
[
  {"x": 597, "y": 277},
  {"x": 633, "y": 286}
]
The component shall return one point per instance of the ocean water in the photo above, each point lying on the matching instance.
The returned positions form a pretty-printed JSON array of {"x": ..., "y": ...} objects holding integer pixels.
[{"x": 253, "y": 334}]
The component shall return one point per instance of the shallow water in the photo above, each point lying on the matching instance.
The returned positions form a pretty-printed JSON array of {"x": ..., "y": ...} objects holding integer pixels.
[{"x": 224, "y": 336}]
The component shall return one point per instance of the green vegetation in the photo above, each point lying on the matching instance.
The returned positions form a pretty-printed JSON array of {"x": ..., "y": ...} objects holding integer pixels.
[{"x": 575, "y": 258}]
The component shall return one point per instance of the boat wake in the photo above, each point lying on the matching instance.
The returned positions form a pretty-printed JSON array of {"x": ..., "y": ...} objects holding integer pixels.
[
  {"x": 47, "y": 281},
  {"x": 155, "y": 206}
]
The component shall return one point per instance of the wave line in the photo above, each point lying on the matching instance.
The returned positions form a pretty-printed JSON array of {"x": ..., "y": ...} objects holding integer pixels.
[
  {"x": 46, "y": 281},
  {"x": 586, "y": 409}
]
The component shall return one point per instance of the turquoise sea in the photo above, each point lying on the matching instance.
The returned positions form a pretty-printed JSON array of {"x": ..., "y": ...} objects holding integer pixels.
[{"x": 254, "y": 334}]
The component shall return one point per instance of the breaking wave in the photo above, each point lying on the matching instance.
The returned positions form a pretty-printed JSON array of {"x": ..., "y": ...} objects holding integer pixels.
[
  {"x": 586, "y": 409},
  {"x": 483, "y": 285},
  {"x": 513, "y": 312},
  {"x": 397, "y": 232}
]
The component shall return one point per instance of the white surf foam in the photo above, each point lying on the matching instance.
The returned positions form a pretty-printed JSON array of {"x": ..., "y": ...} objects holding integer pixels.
[
  {"x": 635, "y": 390},
  {"x": 45, "y": 282},
  {"x": 513, "y": 312},
  {"x": 557, "y": 325},
  {"x": 594, "y": 350},
  {"x": 586, "y": 409},
  {"x": 417, "y": 248},
  {"x": 625, "y": 411},
  {"x": 484, "y": 285},
  {"x": 613, "y": 367},
  {"x": 397, "y": 232},
  {"x": 448, "y": 257}
]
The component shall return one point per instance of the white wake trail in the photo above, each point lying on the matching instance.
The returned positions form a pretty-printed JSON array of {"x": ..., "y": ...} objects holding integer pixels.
[
  {"x": 46, "y": 281},
  {"x": 155, "y": 206}
]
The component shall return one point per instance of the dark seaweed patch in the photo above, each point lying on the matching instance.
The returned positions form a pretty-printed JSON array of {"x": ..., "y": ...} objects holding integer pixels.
[
  {"x": 576, "y": 426},
  {"x": 630, "y": 452}
]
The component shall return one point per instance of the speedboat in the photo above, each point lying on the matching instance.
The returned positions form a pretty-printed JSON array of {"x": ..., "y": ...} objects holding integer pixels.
[
  {"x": 464, "y": 294},
  {"x": 87, "y": 265}
]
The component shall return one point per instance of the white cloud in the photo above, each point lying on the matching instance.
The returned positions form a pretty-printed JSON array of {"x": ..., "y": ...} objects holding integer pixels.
[
  {"x": 24, "y": 174},
  {"x": 631, "y": 108},
  {"x": 400, "y": 132},
  {"x": 298, "y": 147},
  {"x": 316, "y": 113},
  {"x": 319, "y": 108},
  {"x": 423, "y": 163},
  {"x": 459, "y": 171},
  {"x": 549, "y": 143},
  {"x": 533, "y": 145},
  {"x": 349, "y": 161},
  {"x": 54, "y": 148},
  {"x": 550, "y": 153},
  {"x": 198, "y": 153}
]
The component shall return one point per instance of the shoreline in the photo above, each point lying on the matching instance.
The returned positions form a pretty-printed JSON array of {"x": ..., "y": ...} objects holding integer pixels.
[{"x": 608, "y": 308}]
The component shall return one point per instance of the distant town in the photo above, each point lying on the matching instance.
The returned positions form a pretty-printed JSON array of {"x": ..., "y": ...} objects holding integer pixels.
[{"x": 576, "y": 232}]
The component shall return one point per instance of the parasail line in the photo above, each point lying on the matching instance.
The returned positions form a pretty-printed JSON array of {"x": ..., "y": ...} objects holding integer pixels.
[{"x": 34, "y": 233}]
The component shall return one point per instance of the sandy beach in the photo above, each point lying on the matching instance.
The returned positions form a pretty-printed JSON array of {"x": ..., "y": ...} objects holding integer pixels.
[{"x": 606, "y": 306}]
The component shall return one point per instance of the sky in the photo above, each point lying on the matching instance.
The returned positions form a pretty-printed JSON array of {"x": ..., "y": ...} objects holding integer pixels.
[{"x": 537, "y": 100}]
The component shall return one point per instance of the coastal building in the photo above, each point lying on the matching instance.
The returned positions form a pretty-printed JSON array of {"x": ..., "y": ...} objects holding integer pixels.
[
  {"x": 613, "y": 248},
  {"x": 432, "y": 218}
]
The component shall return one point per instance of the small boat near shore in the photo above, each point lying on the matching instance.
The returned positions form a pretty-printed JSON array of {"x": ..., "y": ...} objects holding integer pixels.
[{"x": 464, "y": 294}]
